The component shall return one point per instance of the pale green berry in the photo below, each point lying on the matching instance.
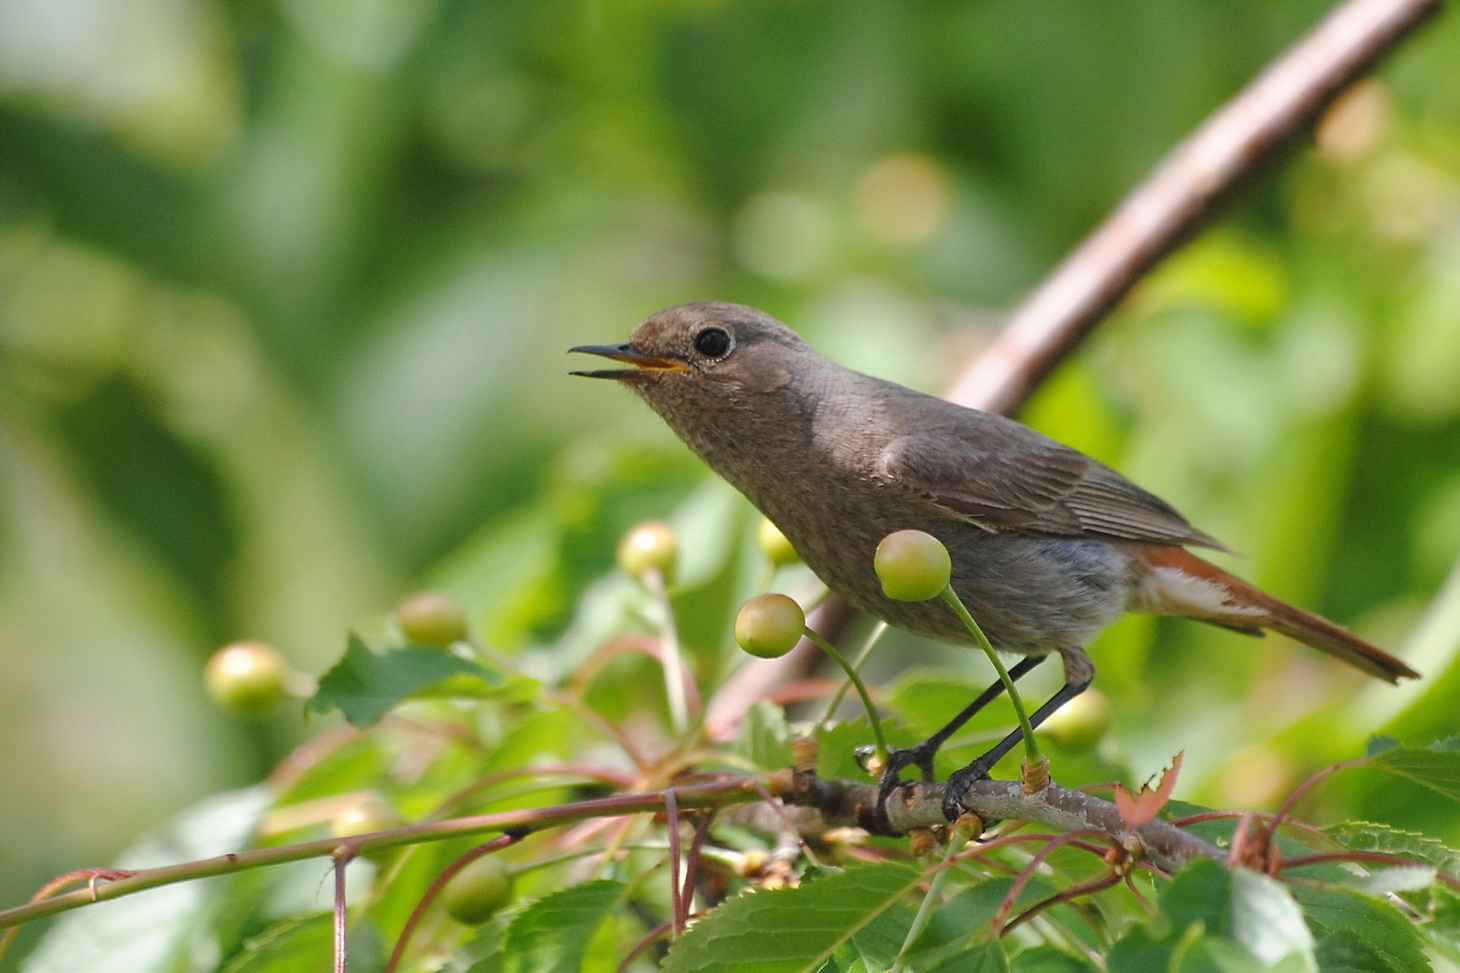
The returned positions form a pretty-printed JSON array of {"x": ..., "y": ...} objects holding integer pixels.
[
  {"x": 912, "y": 565},
  {"x": 431, "y": 618},
  {"x": 651, "y": 545},
  {"x": 769, "y": 626},
  {"x": 479, "y": 891},
  {"x": 246, "y": 676},
  {"x": 774, "y": 545}
]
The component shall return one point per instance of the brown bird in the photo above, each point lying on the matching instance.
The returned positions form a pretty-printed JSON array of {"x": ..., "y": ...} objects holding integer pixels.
[{"x": 1048, "y": 545}]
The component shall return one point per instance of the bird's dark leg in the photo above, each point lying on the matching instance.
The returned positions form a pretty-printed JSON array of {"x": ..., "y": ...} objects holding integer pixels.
[
  {"x": 1079, "y": 672},
  {"x": 921, "y": 756}
]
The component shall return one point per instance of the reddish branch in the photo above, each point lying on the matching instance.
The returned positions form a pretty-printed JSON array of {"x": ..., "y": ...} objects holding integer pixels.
[{"x": 1182, "y": 194}]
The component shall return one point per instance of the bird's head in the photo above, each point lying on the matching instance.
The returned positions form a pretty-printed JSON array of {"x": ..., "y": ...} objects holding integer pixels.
[{"x": 706, "y": 355}]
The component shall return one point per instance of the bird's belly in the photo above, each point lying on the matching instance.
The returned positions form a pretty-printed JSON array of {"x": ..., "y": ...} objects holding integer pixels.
[{"x": 1029, "y": 594}]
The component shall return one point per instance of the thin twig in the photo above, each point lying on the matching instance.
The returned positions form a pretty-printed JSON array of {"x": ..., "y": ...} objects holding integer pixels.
[
  {"x": 719, "y": 793},
  {"x": 341, "y": 862},
  {"x": 671, "y": 827}
]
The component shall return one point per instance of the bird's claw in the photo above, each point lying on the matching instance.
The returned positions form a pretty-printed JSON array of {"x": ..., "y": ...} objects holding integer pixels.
[
  {"x": 958, "y": 783},
  {"x": 897, "y": 760}
]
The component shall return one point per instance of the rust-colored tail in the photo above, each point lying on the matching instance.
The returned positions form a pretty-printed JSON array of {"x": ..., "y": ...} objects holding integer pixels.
[{"x": 1180, "y": 583}]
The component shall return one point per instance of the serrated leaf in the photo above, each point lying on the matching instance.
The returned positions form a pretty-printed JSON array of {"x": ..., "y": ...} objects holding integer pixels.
[
  {"x": 364, "y": 685},
  {"x": 153, "y": 931},
  {"x": 1240, "y": 907},
  {"x": 1364, "y": 836},
  {"x": 1360, "y": 933},
  {"x": 1408, "y": 878},
  {"x": 1436, "y": 767},
  {"x": 1377, "y": 745},
  {"x": 552, "y": 935},
  {"x": 764, "y": 737},
  {"x": 791, "y": 930}
]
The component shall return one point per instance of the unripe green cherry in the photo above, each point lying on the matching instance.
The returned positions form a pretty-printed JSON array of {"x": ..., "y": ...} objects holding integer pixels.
[
  {"x": 246, "y": 676},
  {"x": 1081, "y": 723},
  {"x": 912, "y": 565},
  {"x": 770, "y": 625},
  {"x": 650, "y": 545},
  {"x": 478, "y": 891},
  {"x": 773, "y": 544},
  {"x": 431, "y": 618}
]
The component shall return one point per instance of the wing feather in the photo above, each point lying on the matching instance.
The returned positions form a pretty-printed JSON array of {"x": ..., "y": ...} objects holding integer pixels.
[{"x": 1004, "y": 475}]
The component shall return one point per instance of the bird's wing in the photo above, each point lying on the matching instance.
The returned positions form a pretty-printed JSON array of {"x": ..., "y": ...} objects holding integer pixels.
[{"x": 1006, "y": 476}]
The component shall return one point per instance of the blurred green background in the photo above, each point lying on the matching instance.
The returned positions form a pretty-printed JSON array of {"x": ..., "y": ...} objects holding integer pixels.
[{"x": 285, "y": 287}]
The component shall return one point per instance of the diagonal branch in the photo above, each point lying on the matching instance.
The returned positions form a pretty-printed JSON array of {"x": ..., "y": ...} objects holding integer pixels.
[{"x": 1180, "y": 196}]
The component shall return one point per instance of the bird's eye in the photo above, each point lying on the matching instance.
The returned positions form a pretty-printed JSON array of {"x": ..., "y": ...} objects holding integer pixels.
[{"x": 712, "y": 342}]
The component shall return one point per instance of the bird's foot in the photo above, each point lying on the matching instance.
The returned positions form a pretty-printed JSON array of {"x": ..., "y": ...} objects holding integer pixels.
[
  {"x": 958, "y": 784},
  {"x": 898, "y": 759}
]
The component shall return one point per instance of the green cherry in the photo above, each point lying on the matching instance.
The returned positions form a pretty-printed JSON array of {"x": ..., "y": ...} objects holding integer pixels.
[
  {"x": 769, "y": 626},
  {"x": 912, "y": 565}
]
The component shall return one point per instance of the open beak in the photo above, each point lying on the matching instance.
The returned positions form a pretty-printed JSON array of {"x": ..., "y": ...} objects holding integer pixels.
[{"x": 646, "y": 367}]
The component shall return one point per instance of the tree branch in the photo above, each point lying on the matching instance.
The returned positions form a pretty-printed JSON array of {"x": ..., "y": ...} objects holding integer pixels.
[
  {"x": 844, "y": 803},
  {"x": 1184, "y": 191}
]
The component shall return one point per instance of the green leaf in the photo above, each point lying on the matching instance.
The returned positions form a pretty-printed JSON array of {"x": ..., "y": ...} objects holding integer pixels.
[
  {"x": 1410, "y": 878},
  {"x": 1443, "y": 927},
  {"x": 1364, "y": 836},
  {"x": 1265, "y": 918},
  {"x": 1242, "y": 907},
  {"x": 764, "y": 737},
  {"x": 837, "y": 747},
  {"x": 1047, "y": 959},
  {"x": 553, "y": 934},
  {"x": 364, "y": 685},
  {"x": 874, "y": 948},
  {"x": 1378, "y": 745},
  {"x": 1436, "y": 766},
  {"x": 486, "y": 952},
  {"x": 986, "y": 957},
  {"x": 788, "y": 930},
  {"x": 1360, "y": 933},
  {"x": 295, "y": 944},
  {"x": 155, "y": 930}
]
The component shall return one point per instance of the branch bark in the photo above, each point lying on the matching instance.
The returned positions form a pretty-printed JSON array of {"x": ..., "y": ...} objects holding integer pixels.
[
  {"x": 843, "y": 803},
  {"x": 1183, "y": 192}
]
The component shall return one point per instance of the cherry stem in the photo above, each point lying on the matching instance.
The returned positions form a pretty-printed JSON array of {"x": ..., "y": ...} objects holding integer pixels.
[
  {"x": 856, "y": 680},
  {"x": 1031, "y": 749}
]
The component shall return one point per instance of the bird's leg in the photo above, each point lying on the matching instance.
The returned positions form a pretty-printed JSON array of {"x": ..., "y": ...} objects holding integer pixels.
[
  {"x": 1079, "y": 672},
  {"x": 921, "y": 755}
]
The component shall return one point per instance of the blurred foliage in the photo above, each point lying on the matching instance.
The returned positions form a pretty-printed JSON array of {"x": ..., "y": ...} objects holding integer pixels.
[{"x": 285, "y": 287}]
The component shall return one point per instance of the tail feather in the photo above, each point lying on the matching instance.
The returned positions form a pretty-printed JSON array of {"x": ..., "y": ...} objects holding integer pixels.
[
  {"x": 1325, "y": 636},
  {"x": 1180, "y": 583}
]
